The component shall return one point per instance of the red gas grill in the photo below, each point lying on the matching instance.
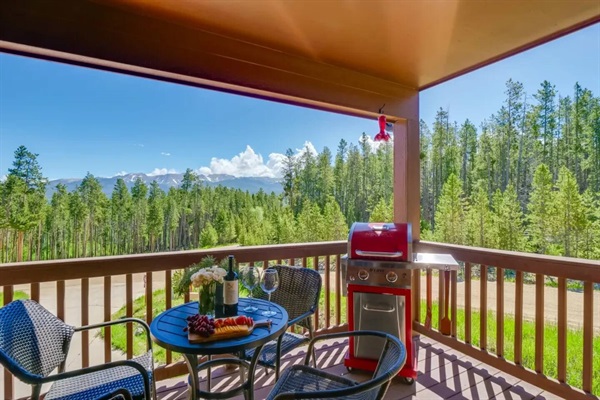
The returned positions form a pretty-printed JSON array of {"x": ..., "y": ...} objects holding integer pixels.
[{"x": 378, "y": 272}]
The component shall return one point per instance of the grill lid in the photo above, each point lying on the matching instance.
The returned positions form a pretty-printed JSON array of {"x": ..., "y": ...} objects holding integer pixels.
[{"x": 380, "y": 241}]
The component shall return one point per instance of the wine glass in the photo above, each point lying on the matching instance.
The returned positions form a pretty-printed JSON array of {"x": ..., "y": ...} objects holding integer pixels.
[
  {"x": 250, "y": 278},
  {"x": 269, "y": 283}
]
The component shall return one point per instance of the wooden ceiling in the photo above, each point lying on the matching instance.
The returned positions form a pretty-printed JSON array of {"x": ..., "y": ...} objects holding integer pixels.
[{"x": 367, "y": 51}]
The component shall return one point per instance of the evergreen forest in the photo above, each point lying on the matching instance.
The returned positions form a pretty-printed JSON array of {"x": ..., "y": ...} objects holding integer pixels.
[{"x": 527, "y": 179}]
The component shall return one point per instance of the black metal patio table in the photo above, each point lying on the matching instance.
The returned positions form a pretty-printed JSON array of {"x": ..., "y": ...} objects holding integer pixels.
[{"x": 167, "y": 331}]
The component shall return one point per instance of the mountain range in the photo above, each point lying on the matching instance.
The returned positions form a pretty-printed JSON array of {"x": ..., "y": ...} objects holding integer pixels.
[{"x": 166, "y": 181}]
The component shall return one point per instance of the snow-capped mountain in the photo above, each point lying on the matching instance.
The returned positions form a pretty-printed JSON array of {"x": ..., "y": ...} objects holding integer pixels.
[{"x": 251, "y": 184}]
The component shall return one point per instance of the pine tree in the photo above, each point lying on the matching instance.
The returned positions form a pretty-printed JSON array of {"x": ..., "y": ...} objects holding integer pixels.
[
  {"x": 334, "y": 225},
  {"x": 427, "y": 198},
  {"x": 479, "y": 221},
  {"x": 121, "y": 215},
  {"x": 468, "y": 149},
  {"x": 156, "y": 215},
  {"x": 450, "y": 213},
  {"x": 290, "y": 181},
  {"x": 546, "y": 120},
  {"x": 58, "y": 219},
  {"x": 508, "y": 220},
  {"x": 383, "y": 212},
  {"x": 28, "y": 197},
  {"x": 568, "y": 209},
  {"x": 139, "y": 193},
  {"x": 540, "y": 210},
  {"x": 209, "y": 236},
  {"x": 589, "y": 246}
]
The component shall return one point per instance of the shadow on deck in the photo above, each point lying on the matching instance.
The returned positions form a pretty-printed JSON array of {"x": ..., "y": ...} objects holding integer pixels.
[{"x": 444, "y": 373}]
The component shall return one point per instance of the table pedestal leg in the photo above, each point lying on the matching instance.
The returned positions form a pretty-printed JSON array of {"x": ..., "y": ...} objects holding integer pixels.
[
  {"x": 192, "y": 364},
  {"x": 251, "y": 370}
]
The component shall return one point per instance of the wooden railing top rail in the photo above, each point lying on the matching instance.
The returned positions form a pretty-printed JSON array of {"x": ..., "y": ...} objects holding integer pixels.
[
  {"x": 562, "y": 267},
  {"x": 77, "y": 268}
]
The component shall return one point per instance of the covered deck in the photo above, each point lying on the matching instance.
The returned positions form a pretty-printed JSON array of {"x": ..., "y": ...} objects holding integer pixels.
[
  {"x": 356, "y": 58},
  {"x": 483, "y": 352}
]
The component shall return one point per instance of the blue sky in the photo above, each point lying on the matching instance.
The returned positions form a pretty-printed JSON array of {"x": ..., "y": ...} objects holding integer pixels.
[{"x": 81, "y": 120}]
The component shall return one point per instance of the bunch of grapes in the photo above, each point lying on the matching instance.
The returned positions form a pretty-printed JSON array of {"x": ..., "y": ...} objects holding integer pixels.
[{"x": 200, "y": 324}]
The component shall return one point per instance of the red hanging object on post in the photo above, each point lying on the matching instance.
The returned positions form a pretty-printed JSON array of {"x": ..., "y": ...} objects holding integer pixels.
[{"x": 382, "y": 136}]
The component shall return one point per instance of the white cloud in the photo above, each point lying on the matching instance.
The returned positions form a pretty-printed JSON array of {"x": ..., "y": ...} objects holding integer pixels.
[
  {"x": 162, "y": 153},
  {"x": 308, "y": 147},
  {"x": 161, "y": 171},
  {"x": 249, "y": 163},
  {"x": 122, "y": 173},
  {"x": 3, "y": 178}
]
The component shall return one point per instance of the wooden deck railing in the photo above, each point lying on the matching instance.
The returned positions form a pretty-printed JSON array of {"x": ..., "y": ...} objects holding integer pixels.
[
  {"x": 99, "y": 281},
  {"x": 491, "y": 347},
  {"x": 89, "y": 290}
]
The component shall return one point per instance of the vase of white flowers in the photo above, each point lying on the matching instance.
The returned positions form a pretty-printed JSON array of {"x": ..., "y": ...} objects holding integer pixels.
[{"x": 206, "y": 280}]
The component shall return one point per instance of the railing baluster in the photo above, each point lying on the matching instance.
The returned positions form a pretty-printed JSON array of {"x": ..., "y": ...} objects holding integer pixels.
[
  {"x": 468, "y": 338},
  {"x": 338, "y": 290},
  {"x": 441, "y": 298},
  {"x": 85, "y": 307},
  {"x": 500, "y": 312},
  {"x": 519, "y": 317},
  {"x": 316, "y": 268},
  {"x": 129, "y": 312},
  {"x": 107, "y": 317},
  {"x": 416, "y": 300},
  {"x": 8, "y": 292},
  {"x": 186, "y": 296},
  {"x": 8, "y": 378},
  {"x": 454, "y": 301},
  {"x": 60, "y": 299},
  {"x": 588, "y": 334},
  {"x": 483, "y": 307},
  {"x": 327, "y": 292},
  {"x": 539, "y": 322},
  {"x": 168, "y": 304},
  {"x": 429, "y": 299},
  {"x": 149, "y": 298},
  {"x": 562, "y": 329},
  {"x": 35, "y": 292}
]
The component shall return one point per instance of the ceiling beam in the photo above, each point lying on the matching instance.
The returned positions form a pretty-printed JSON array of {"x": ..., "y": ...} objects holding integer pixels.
[{"x": 86, "y": 33}]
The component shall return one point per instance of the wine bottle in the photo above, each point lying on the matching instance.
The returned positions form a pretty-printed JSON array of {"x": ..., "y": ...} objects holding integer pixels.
[
  {"x": 219, "y": 301},
  {"x": 230, "y": 291}
]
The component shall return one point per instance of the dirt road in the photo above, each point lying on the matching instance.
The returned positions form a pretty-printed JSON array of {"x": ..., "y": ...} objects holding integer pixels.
[{"x": 574, "y": 301}]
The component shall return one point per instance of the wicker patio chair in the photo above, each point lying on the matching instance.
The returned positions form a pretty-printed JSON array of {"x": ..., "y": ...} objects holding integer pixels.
[
  {"x": 298, "y": 292},
  {"x": 34, "y": 342},
  {"x": 304, "y": 382}
]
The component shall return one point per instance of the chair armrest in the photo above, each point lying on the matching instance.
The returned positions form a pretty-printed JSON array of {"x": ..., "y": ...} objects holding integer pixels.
[
  {"x": 300, "y": 318},
  {"x": 23, "y": 374},
  {"x": 338, "y": 335},
  {"x": 120, "y": 321},
  {"x": 121, "y": 363},
  {"x": 124, "y": 393},
  {"x": 348, "y": 392}
]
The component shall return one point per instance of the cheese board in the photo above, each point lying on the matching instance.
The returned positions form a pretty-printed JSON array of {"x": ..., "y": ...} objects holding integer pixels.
[{"x": 226, "y": 328}]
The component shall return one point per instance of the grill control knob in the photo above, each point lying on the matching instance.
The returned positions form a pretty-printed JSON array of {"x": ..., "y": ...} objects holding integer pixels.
[
  {"x": 363, "y": 275},
  {"x": 391, "y": 277}
]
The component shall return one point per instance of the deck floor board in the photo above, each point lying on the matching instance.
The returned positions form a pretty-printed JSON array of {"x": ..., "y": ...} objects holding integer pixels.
[{"x": 444, "y": 373}]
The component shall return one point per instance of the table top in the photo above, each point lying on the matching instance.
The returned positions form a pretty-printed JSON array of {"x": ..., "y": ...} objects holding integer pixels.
[{"x": 167, "y": 329}]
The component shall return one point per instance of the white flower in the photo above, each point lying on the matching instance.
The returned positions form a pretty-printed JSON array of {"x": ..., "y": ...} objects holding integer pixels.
[{"x": 208, "y": 275}]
